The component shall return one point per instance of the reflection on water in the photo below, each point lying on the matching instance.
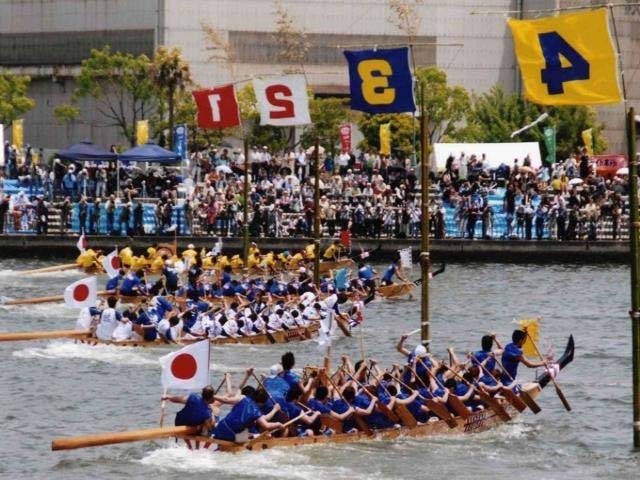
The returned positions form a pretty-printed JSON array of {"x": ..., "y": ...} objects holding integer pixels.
[{"x": 58, "y": 388}]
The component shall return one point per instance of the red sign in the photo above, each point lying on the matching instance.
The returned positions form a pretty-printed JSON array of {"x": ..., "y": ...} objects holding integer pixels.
[
  {"x": 345, "y": 137},
  {"x": 217, "y": 107}
]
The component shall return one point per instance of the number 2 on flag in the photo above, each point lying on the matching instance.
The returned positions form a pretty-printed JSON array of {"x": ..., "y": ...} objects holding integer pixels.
[
  {"x": 554, "y": 74},
  {"x": 279, "y": 96}
]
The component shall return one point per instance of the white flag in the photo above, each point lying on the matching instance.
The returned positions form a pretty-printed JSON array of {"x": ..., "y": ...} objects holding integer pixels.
[
  {"x": 282, "y": 101},
  {"x": 217, "y": 248},
  {"x": 82, "y": 242},
  {"x": 188, "y": 368},
  {"x": 81, "y": 294},
  {"x": 111, "y": 263},
  {"x": 405, "y": 257}
]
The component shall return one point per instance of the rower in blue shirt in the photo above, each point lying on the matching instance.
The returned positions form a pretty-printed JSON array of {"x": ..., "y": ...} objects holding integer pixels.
[
  {"x": 367, "y": 274},
  {"x": 133, "y": 284},
  {"x": 394, "y": 269},
  {"x": 196, "y": 410},
  {"x": 112, "y": 283},
  {"x": 288, "y": 361},
  {"x": 477, "y": 358},
  {"x": 512, "y": 356}
]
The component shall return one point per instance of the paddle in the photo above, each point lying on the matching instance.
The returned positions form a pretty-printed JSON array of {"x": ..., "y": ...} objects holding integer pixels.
[
  {"x": 55, "y": 268},
  {"x": 559, "y": 392},
  {"x": 453, "y": 401},
  {"x": 362, "y": 425},
  {"x": 111, "y": 438},
  {"x": 20, "y": 336},
  {"x": 509, "y": 395},
  {"x": 524, "y": 395},
  {"x": 383, "y": 407}
]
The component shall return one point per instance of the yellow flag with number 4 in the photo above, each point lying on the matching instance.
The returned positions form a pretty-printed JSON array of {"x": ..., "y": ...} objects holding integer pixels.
[{"x": 568, "y": 59}]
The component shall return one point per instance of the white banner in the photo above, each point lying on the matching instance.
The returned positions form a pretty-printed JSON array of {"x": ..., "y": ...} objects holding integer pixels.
[
  {"x": 282, "y": 101},
  {"x": 405, "y": 257}
]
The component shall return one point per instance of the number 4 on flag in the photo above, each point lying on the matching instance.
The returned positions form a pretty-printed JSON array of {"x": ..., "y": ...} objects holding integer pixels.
[{"x": 217, "y": 107}]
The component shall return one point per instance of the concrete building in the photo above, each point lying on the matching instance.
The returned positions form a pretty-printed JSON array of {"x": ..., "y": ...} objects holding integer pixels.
[{"x": 47, "y": 39}]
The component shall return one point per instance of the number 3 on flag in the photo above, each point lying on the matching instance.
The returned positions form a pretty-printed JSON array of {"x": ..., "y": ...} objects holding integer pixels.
[{"x": 567, "y": 60}]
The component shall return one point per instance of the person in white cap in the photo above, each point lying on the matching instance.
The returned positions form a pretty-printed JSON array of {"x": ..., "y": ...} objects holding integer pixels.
[{"x": 418, "y": 358}]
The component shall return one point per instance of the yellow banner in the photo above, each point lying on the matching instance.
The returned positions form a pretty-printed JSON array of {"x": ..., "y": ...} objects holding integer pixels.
[
  {"x": 17, "y": 133},
  {"x": 568, "y": 59},
  {"x": 385, "y": 139},
  {"x": 587, "y": 138},
  {"x": 532, "y": 327},
  {"x": 142, "y": 132}
]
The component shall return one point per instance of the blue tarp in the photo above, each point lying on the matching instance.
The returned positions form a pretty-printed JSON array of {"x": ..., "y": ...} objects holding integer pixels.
[
  {"x": 86, "y": 151},
  {"x": 149, "y": 152}
]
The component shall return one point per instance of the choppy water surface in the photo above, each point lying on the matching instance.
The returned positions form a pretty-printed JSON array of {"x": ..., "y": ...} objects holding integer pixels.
[{"x": 56, "y": 388}]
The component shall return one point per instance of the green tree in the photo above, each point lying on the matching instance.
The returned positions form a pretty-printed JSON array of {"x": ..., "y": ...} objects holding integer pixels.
[
  {"x": 66, "y": 113},
  {"x": 401, "y": 132},
  {"x": 13, "y": 97},
  {"x": 170, "y": 75},
  {"x": 495, "y": 115},
  {"x": 276, "y": 138},
  {"x": 327, "y": 114}
]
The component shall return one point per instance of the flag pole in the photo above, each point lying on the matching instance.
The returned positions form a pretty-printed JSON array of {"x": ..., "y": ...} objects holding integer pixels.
[
  {"x": 424, "y": 254},
  {"x": 316, "y": 215},
  {"x": 245, "y": 212},
  {"x": 163, "y": 404}
]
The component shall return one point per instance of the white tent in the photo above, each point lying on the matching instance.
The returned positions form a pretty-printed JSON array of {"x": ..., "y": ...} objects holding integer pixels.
[{"x": 496, "y": 153}]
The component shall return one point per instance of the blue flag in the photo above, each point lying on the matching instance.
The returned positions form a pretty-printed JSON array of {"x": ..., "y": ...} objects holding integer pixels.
[
  {"x": 341, "y": 279},
  {"x": 180, "y": 140},
  {"x": 381, "y": 80}
]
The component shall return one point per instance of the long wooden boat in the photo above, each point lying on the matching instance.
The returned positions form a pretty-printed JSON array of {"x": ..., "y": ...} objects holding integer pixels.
[
  {"x": 476, "y": 422},
  {"x": 327, "y": 266},
  {"x": 84, "y": 336},
  {"x": 396, "y": 290}
]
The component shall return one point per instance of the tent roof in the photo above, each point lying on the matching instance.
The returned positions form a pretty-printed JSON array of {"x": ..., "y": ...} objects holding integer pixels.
[
  {"x": 85, "y": 151},
  {"x": 150, "y": 152}
]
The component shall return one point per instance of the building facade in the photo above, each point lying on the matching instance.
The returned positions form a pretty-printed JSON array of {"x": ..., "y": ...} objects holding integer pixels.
[{"x": 48, "y": 39}]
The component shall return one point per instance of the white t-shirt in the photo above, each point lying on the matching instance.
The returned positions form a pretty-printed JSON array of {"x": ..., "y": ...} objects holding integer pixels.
[
  {"x": 107, "y": 325},
  {"x": 122, "y": 331}
]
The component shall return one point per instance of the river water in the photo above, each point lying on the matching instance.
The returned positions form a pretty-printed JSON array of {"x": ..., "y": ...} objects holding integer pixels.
[{"x": 57, "y": 388}]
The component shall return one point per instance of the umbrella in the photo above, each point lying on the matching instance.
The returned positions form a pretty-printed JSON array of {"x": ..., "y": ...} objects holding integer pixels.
[
  {"x": 150, "y": 152},
  {"x": 575, "y": 181},
  {"x": 623, "y": 171},
  {"x": 223, "y": 169},
  {"x": 311, "y": 150},
  {"x": 85, "y": 151}
]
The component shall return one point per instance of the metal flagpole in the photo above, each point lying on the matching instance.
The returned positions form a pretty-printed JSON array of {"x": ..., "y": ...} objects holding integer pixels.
[{"x": 424, "y": 254}]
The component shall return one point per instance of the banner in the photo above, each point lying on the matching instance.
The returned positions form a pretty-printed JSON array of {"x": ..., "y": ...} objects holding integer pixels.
[
  {"x": 568, "y": 59},
  {"x": 380, "y": 80},
  {"x": 2, "y": 159},
  {"x": 17, "y": 131},
  {"x": 142, "y": 132},
  {"x": 385, "y": 139},
  {"x": 345, "y": 138},
  {"x": 532, "y": 327},
  {"x": 587, "y": 138},
  {"x": 217, "y": 107},
  {"x": 550, "y": 143},
  {"x": 282, "y": 101},
  {"x": 188, "y": 368},
  {"x": 180, "y": 140},
  {"x": 82, "y": 294},
  {"x": 405, "y": 258}
]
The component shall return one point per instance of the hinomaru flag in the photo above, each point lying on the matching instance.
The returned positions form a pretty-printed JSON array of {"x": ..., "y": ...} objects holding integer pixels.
[
  {"x": 188, "y": 368},
  {"x": 385, "y": 139},
  {"x": 532, "y": 327},
  {"x": 587, "y": 138},
  {"x": 17, "y": 133},
  {"x": 568, "y": 59},
  {"x": 142, "y": 132}
]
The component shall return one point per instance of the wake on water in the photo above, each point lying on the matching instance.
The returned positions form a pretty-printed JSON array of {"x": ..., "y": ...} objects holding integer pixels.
[
  {"x": 100, "y": 353},
  {"x": 275, "y": 463}
]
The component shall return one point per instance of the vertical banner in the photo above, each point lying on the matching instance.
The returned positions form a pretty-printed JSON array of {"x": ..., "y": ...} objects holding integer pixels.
[
  {"x": 180, "y": 140},
  {"x": 2, "y": 159},
  {"x": 142, "y": 132},
  {"x": 345, "y": 138},
  {"x": 587, "y": 138},
  {"x": 550, "y": 143},
  {"x": 385, "y": 139},
  {"x": 17, "y": 133}
]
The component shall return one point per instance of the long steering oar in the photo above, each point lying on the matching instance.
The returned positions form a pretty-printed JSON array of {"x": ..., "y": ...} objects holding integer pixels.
[
  {"x": 559, "y": 392},
  {"x": 53, "y": 334}
]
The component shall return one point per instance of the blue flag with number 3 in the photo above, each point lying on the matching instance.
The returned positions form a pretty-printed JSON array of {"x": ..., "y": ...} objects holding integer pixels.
[{"x": 380, "y": 80}]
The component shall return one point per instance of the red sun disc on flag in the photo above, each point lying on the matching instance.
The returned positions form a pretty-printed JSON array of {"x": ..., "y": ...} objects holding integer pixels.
[
  {"x": 115, "y": 263},
  {"x": 81, "y": 293},
  {"x": 184, "y": 366}
]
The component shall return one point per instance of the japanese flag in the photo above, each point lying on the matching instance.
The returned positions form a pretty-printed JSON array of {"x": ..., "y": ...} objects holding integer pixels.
[
  {"x": 82, "y": 294},
  {"x": 282, "y": 101},
  {"x": 111, "y": 263},
  {"x": 217, "y": 107},
  {"x": 82, "y": 242},
  {"x": 188, "y": 368}
]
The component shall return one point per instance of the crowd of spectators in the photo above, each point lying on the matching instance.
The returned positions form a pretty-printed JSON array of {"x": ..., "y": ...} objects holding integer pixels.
[{"x": 371, "y": 195}]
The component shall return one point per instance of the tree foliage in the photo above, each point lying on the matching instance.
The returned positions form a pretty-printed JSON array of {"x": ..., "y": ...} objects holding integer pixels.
[
  {"x": 405, "y": 17},
  {"x": 495, "y": 114},
  {"x": 401, "y": 132},
  {"x": 291, "y": 39},
  {"x": 13, "y": 97},
  {"x": 327, "y": 114}
]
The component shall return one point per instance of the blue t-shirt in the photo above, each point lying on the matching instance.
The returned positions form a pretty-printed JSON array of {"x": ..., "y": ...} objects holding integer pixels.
[
  {"x": 112, "y": 283},
  {"x": 291, "y": 378},
  {"x": 340, "y": 406},
  {"x": 241, "y": 416},
  {"x": 276, "y": 386},
  {"x": 510, "y": 362},
  {"x": 318, "y": 406},
  {"x": 129, "y": 285},
  {"x": 415, "y": 407},
  {"x": 366, "y": 272},
  {"x": 195, "y": 411},
  {"x": 480, "y": 356},
  {"x": 391, "y": 271},
  {"x": 375, "y": 419}
]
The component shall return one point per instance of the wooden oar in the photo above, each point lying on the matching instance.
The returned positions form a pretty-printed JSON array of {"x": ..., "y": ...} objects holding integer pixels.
[
  {"x": 508, "y": 394},
  {"x": 362, "y": 425},
  {"x": 283, "y": 426},
  {"x": 383, "y": 407},
  {"x": 559, "y": 392},
  {"x": 111, "y": 438},
  {"x": 51, "y": 299},
  {"x": 21, "y": 336},
  {"x": 524, "y": 395},
  {"x": 55, "y": 268}
]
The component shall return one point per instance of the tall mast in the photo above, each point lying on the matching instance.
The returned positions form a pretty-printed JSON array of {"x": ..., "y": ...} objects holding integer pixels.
[
  {"x": 634, "y": 240},
  {"x": 316, "y": 214},
  {"x": 424, "y": 253}
]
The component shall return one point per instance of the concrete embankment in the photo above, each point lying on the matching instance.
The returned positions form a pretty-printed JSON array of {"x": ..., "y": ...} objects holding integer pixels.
[{"x": 450, "y": 250}]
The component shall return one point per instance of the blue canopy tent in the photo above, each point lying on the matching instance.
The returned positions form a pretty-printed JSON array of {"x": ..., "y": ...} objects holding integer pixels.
[
  {"x": 85, "y": 151},
  {"x": 149, "y": 152}
]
